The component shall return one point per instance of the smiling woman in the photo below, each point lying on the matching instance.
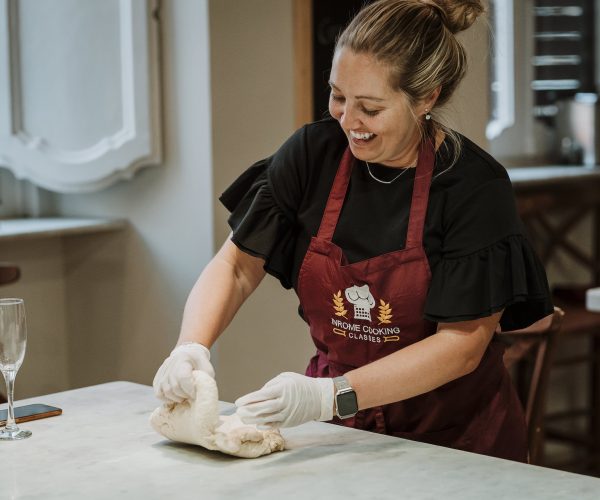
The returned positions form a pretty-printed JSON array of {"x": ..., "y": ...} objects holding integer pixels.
[
  {"x": 379, "y": 129},
  {"x": 403, "y": 274}
]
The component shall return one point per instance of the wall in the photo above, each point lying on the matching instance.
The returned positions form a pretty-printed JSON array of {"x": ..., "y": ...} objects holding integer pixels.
[
  {"x": 461, "y": 113},
  {"x": 45, "y": 368},
  {"x": 125, "y": 291},
  {"x": 252, "y": 82}
]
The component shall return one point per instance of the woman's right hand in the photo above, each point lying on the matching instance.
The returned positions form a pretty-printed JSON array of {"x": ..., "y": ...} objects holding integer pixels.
[{"x": 173, "y": 381}]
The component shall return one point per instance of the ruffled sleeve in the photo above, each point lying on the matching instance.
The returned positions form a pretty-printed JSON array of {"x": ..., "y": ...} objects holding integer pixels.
[
  {"x": 263, "y": 202},
  {"x": 487, "y": 263},
  {"x": 259, "y": 225}
]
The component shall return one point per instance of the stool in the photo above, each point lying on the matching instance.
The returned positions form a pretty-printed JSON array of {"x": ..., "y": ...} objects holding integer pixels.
[
  {"x": 579, "y": 322},
  {"x": 9, "y": 273},
  {"x": 533, "y": 347}
]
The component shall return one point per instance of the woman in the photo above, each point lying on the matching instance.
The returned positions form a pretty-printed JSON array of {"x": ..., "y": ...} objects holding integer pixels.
[{"x": 402, "y": 241}]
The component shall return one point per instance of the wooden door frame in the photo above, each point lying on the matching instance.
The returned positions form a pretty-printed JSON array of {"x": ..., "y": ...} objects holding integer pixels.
[{"x": 303, "y": 62}]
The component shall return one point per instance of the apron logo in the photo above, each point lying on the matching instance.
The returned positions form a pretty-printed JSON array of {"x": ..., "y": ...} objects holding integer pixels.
[{"x": 363, "y": 301}]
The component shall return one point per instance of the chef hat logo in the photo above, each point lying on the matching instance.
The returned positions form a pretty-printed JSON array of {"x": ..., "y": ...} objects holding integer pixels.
[{"x": 363, "y": 301}]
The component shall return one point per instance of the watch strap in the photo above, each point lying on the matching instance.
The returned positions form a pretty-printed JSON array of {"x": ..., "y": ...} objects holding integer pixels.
[{"x": 341, "y": 383}]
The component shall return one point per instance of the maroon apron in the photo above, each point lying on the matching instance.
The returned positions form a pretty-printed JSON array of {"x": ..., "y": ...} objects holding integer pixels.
[{"x": 366, "y": 310}]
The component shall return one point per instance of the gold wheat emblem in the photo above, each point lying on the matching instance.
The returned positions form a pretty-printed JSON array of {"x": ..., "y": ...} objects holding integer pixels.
[
  {"x": 338, "y": 305},
  {"x": 385, "y": 313}
]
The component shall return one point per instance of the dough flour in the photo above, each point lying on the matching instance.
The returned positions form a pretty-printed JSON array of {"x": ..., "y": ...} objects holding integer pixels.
[{"x": 198, "y": 422}]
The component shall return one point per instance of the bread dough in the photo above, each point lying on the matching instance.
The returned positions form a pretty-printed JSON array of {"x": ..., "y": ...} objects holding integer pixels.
[{"x": 198, "y": 422}]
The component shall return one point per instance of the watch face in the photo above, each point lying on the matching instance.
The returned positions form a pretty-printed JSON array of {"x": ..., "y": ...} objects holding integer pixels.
[{"x": 347, "y": 404}]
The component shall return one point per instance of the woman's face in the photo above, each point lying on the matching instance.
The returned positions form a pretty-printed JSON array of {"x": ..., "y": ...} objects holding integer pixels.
[{"x": 376, "y": 119}]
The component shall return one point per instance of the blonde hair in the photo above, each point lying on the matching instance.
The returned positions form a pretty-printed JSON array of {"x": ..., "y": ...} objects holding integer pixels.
[{"x": 415, "y": 40}]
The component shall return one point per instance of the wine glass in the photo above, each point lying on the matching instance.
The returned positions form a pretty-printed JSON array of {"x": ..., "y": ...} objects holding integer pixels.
[{"x": 13, "y": 338}]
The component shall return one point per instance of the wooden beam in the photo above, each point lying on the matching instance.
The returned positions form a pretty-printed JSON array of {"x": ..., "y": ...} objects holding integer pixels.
[{"x": 303, "y": 62}]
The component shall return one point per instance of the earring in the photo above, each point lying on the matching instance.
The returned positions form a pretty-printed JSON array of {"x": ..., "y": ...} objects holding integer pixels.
[{"x": 427, "y": 115}]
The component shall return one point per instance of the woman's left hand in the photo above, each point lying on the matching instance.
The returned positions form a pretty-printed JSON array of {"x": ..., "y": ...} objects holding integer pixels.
[{"x": 288, "y": 400}]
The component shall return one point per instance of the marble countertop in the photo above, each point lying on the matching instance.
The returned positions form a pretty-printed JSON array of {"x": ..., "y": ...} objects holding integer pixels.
[
  {"x": 27, "y": 228},
  {"x": 103, "y": 447}
]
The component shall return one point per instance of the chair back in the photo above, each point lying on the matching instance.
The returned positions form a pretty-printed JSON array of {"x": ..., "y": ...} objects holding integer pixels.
[{"x": 535, "y": 343}]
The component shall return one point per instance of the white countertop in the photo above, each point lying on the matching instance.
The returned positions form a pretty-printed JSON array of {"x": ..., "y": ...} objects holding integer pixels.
[
  {"x": 551, "y": 174},
  {"x": 103, "y": 447},
  {"x": 12, "y": 229}
]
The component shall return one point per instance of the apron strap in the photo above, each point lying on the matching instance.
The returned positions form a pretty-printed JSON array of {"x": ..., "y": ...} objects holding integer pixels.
[
  {"x": 420, "y": 196},
  {"x": 336, "y": 197}
]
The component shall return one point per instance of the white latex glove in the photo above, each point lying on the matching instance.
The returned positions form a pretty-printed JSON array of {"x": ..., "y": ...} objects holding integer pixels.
[
  {"x": 287, "y": 400},
  {"x": 173, "y": 381}
]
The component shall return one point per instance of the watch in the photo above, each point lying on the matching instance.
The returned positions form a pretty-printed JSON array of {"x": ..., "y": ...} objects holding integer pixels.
[{"x": 346, "y": 403}]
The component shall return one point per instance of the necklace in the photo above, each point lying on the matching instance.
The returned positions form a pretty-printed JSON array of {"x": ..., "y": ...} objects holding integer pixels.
[{"x": 387, "y": 182}]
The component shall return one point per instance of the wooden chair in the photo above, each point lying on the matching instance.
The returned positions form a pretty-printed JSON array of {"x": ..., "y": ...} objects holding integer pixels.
[
  {"x": 528, "y": 357},
  {"x": 551, "y": 217},
  {"x": 9, "y": 273},
  {"x": 579, "y": 323}
]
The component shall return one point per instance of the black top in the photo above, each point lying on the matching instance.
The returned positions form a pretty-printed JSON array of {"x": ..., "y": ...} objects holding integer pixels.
[{"x": 480, "y": 258}]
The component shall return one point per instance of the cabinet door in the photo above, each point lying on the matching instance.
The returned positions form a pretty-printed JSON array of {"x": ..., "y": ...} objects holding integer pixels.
[{"x": 79, "y": 91}]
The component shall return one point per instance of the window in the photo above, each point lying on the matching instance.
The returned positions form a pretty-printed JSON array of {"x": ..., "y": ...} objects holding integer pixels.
[
  {"x": 543, "y": 58},
  {"x": 563, "y": 58}
]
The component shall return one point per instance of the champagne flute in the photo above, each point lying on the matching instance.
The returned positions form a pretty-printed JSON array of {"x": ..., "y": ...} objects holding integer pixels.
[{"x": 13, "y": 339}]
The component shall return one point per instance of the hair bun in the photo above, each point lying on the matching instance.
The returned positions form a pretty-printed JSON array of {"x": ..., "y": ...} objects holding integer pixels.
[{"x": 457, "y": 15}]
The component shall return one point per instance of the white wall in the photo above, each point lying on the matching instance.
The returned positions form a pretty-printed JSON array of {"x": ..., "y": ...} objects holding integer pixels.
[{"x": 125, "y": 292}]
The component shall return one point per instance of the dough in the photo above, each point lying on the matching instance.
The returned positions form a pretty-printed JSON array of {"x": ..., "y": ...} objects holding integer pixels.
[{"x": 198, "y": 422}]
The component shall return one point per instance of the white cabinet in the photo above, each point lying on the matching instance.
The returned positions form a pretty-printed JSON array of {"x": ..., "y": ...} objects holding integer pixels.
[{"x": 79, "y": 91}]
